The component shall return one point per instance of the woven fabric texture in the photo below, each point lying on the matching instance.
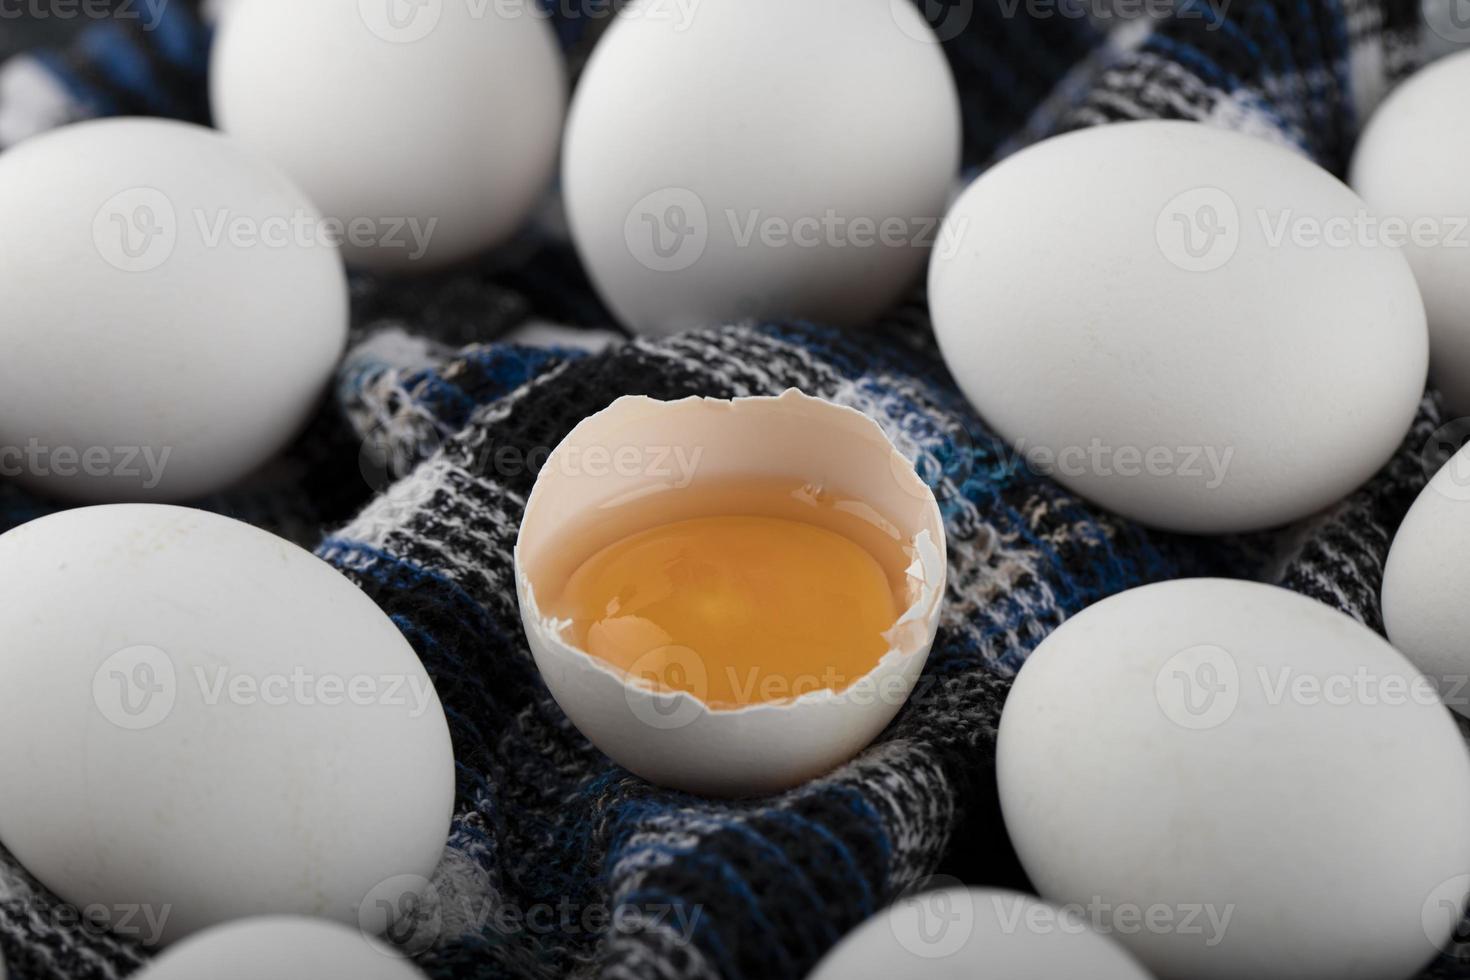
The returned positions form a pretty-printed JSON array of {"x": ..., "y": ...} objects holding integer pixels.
[{"x": 413, "y": 477}]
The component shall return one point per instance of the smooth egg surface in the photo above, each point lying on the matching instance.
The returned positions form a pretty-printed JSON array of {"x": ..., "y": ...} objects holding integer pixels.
[
  {"x": 1426, "y": 579},
  {"x": 968, "y": 933},
  {"x": 1165, "y": 318},
  {"x": 429, "y": 131},
  {"x": 280, "y": 948},
  {"x": 1242, "y": 760},
  {"x": 1409, "y": 166},
  {"x": 167, "y": 322},
  {"x": 743, "y": 158},
  {"x": 172, "y": 680}
]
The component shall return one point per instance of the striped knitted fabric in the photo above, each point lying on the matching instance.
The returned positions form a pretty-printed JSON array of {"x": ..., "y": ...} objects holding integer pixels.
[{"x": 413, "y": 478}]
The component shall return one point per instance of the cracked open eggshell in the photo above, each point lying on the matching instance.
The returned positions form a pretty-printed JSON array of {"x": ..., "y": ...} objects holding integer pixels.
[{"x": 672, "y": 458}]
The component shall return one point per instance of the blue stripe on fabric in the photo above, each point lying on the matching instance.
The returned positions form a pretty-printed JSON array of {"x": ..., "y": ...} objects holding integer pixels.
[{"x": 93, "y": 102}]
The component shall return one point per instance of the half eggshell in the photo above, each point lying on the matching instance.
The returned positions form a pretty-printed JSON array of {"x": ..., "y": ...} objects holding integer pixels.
[{"x": 639, "y": 447}]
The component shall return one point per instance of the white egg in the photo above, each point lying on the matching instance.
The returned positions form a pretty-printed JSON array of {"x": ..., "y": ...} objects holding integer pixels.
[
  {"x": 1426, "y": 579},
  {"x": 429, "y": 130},
  {"x": 1410, "y": 167},
  {"x": 281, "y": 948},
  {"x": 680, "y": 449},
  {"x": 1263, "y": 781},
  {"x": 205, "y": 722},
  {"x": 1141, "y": 311},
  {"x": 167, "y": 328},
  {"x": 760, "y": 158},
  {"x": 965, "y": 934}
]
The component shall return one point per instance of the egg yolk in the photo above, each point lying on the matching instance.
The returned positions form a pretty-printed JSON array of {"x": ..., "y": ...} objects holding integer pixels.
[{"x": 734, "y": 610}]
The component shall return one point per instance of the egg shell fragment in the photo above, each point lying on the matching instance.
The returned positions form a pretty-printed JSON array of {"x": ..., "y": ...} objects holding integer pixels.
[
  {"x": 1242, "y": 760},
  {"x": 161, "y": 753},
  {"x": 672, "y": 738}
]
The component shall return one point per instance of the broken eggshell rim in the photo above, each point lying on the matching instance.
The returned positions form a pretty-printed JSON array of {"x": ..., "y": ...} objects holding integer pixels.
[{"x": 912, "y": 634}]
